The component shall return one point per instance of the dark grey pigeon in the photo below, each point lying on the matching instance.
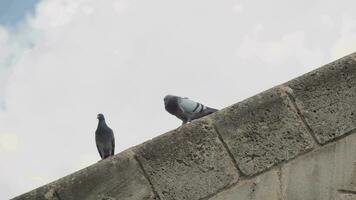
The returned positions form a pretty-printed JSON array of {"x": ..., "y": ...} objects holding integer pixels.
[
  {"x": 186, "y": 109},
  {"x": 104, "y": 138}
]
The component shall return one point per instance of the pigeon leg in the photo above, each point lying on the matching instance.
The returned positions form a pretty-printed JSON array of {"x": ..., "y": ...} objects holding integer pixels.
[{"x": 183, "y": 122}]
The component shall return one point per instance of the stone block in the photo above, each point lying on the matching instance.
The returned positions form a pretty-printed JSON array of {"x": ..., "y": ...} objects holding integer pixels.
[
  {"x": 118, "y": 177},
  {"x": 187, "y": 163},
  {"x": 263, "y": 131},
  {"x": 327, "y": 98}
]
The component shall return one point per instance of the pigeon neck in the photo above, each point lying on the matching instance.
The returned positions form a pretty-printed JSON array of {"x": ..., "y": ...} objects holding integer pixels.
[
  {"x": 172, "y": 106},
  {"x": 102, "y": 123}
]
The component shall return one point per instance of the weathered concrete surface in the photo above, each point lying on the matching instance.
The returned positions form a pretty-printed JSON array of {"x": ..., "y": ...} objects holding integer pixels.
[
  {"x": 116, "y": 178},
  {"x": 188, "y": 163},
  {"x": 352, "y": 185},
  {"x": 327, "y": 98},
  {"x": 319, "y": 175},
  {"x": 262, "y": 131},
  {"x": 346, "y": 197},
  {"x": 264, "y": 187}
]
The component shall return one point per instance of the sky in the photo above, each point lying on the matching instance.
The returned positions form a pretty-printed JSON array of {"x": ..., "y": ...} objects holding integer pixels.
[
  {"x": 64, "y": 61},
  {"x": 13, "y": 11}
]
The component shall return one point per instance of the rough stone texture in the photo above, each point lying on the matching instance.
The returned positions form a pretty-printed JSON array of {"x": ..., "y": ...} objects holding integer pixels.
[
  {"x": 262, "y": 131},
  {"x": 188, "y": 163},
  {"x": 321, "y": 174},
  {"x": 346, "y": 197},
  {"x": 264, "y": 187},
  {"x": 327, "y": 98},
  {"x": 116, "y": 178}
]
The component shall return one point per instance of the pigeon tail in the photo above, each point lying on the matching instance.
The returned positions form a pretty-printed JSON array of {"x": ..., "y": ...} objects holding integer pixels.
[
  {"x": 209, "y": 110},
  {"x": 205, "y": 112}
]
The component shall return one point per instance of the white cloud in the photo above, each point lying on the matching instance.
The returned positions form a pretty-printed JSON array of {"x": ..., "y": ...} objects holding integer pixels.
[
  {"x": 37, "y": 177},
  {"x": 85, "y": 161},
  {"x": 9, "y": 143},
  {"x": 120, "y": 6},
  {"x": 327, "y": 21},
  {"x": 88, "y": 10},
  {"x": 56, "y": 13},
  {"x": 4, "y": 46},
  {"x": 346, "y": 43},
  {"x": 238, "y": 8},
  {"x": 3, "y": 35},
  {"x": 276, "y": 52}
]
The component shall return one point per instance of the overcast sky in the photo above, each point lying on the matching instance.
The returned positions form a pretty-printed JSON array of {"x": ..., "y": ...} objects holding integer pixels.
[{"x": 64, "y": 61}]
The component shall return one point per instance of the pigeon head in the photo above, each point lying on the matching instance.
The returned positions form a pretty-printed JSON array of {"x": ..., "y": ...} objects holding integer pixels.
[
  {"x": 168, "y": 98},
  {"x": 100, "y": 117}
]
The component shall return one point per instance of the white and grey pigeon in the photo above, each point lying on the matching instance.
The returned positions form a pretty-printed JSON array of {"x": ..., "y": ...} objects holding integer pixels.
[
  {"x": 186, "y": 109},
  {"x": 104, "y": 138}
]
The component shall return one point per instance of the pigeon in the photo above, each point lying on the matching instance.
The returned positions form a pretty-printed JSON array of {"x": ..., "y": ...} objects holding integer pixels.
[
  {"x": 186, "y": 109},
  {"x": 104, "y": 138}
]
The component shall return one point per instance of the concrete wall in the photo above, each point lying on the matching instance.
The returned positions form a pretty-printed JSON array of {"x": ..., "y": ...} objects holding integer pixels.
[{"x": 292, "y": 142}]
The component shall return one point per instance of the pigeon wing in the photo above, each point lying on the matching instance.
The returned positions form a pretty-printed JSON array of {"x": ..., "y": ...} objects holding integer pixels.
[
  {"x": 187, "y": 105},
  {"x": 204, "y": 112},
  {"x": 97, "y": 144},
  {"x": 112, "y": 143},
  {"x": 101, "y": 155}
]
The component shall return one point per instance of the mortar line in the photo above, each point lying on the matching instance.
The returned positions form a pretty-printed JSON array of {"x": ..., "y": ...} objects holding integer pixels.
[
  {"x": 228, "y": 151},
  {"x": 237, "y": 184},
  {"x": 299, "y": 113},
  {"x": 352, "y": 131},
  {"x": 147, "y": 177}
]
